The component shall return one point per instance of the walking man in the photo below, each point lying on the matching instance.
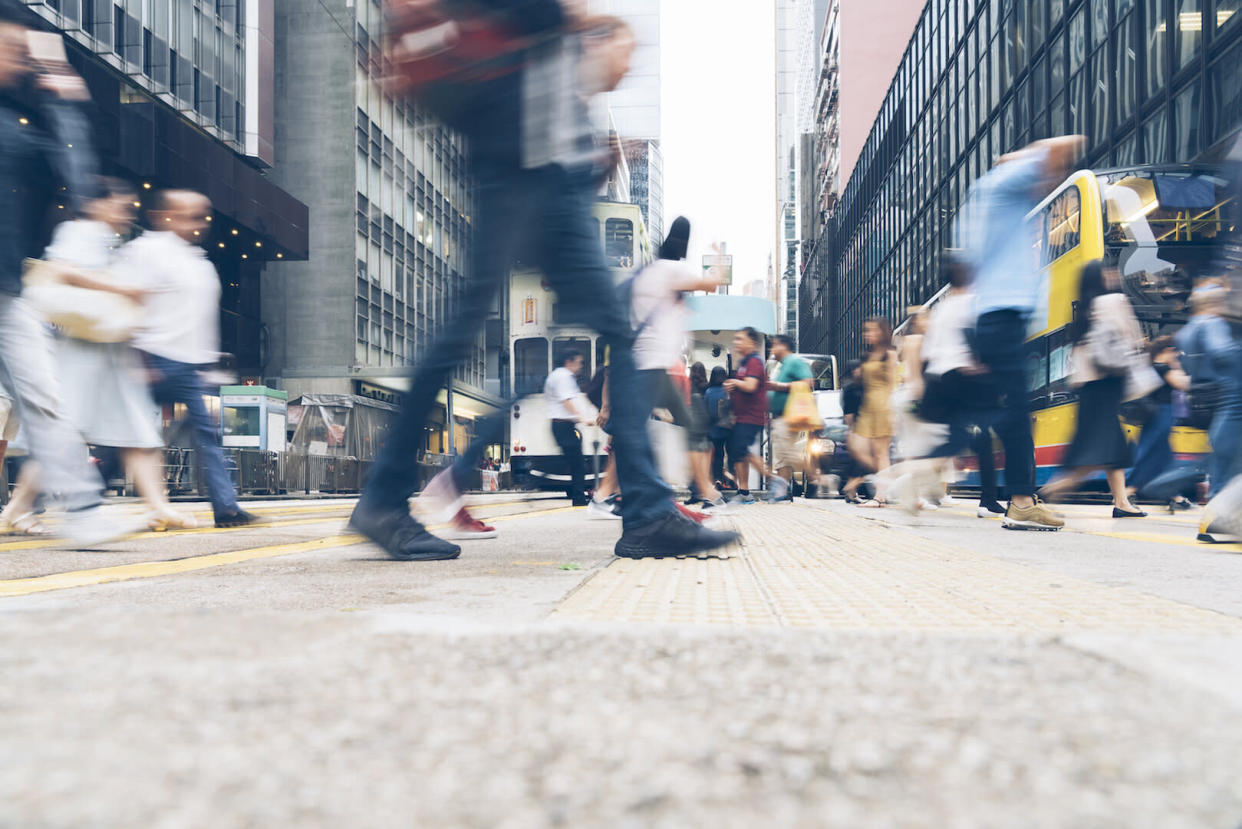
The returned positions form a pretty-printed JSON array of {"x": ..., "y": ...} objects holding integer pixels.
[
  {"x": 180, "y": 335},
  {"x": 1006, "y": 288},
  {"x": 785, "y": 458},
  {"x": 747, "y": 393},
  {"x": 563, "y": 397},
  {"x": 535, "y": 164},
  {"x": 46, "y": 161}
]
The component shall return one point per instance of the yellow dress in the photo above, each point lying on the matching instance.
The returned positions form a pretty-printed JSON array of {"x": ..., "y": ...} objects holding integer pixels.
[{"x": 875, "y": 417}]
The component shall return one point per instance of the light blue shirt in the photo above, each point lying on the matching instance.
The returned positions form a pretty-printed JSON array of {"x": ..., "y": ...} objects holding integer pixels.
[{"x": 1001, "y": 245}]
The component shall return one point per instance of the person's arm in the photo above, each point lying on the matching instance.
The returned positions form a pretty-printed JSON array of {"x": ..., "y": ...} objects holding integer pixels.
[
  {"x": 605, "y": 409},
  {"x": 83, "y": 279},
  {"x": 1177, "y": 379}
]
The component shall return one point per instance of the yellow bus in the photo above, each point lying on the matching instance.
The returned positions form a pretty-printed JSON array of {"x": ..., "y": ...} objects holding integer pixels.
[{"x": 1158, "y": 226}]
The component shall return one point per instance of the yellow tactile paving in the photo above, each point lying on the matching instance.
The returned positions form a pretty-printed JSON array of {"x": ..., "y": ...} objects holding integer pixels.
[{"x": 805, "y": 567}]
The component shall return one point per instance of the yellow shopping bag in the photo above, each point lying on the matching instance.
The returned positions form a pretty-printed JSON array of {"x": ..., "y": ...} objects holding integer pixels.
[{"x": 800, "y": 412}]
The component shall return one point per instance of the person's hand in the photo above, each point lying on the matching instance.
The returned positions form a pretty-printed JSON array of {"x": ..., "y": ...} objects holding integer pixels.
[
  {"x": 730, "y": 385},
  {"x": 133, "y": 294},
  {"x": 65, "y": 84},
  {"x": 603, "y": 417}
]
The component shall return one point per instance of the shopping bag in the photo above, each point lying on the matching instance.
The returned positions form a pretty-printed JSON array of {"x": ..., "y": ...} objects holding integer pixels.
[
  {"x": 668, "y": 443},
  {"x": 81, "y": 313},
  {"x": 800, "y": 412}
]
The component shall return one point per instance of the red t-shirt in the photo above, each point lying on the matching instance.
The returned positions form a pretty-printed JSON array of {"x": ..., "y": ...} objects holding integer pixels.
[{"x": 751, "y": 407}]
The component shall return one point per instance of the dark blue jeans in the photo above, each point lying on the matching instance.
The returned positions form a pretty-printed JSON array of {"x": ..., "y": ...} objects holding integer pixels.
[
  {"x": 548, "y": 212},
  {"x": 1154, "y": 455},
  {"x": 180, "y": 383},
  {"x": 567, "y": 437},
  {"x": 999, "y": 340},
  {"x": 1226, "y": 436}
]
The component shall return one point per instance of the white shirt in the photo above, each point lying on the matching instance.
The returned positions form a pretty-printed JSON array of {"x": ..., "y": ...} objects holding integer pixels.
[
  {"x": 657, "y": 303},
  {"x": 560, "y": 386},
  {"x": 84, "y": 244},
  {"x": 182, "y": 304},
  {"x": 945, "y": 347}
]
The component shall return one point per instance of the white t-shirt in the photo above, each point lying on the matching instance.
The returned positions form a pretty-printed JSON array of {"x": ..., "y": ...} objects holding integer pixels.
[
  {"x": 560, "y": 386},
  {"x": 945, "y": 347},
  {"x": 182, "y": 304},
  {"x": 657, "y": 302},
  {"x": 86, "y": 244}
]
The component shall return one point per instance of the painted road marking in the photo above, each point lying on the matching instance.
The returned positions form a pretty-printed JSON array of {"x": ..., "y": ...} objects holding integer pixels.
[{"x": 152, "y": 569}]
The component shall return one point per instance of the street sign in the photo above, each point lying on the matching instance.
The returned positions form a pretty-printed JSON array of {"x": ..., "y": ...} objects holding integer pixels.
[{"x": 718, "y": 264}]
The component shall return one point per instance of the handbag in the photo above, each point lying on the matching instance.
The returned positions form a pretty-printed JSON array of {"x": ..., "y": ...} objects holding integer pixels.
[
  {"x": 1202, "y": 402},
  {"x": 1109, "y": 350},
  {"x": 81, "y": 313},
  {"x": 800, "y": 414}
]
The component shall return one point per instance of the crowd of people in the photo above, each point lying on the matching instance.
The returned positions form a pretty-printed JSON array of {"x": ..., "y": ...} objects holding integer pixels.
[
  {"x": 957, "y": 377},
  {"x": 135, "y": 305}
]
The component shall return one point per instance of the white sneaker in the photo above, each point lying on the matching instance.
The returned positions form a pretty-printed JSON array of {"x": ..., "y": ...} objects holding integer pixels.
[
  {"x": 601, "y": 511},
  {"x": 439, "y": 501},
  {"x": 92, "y": 526},
  {"x": 778, "y": 488},
  {"x": 718, "y": 507}
]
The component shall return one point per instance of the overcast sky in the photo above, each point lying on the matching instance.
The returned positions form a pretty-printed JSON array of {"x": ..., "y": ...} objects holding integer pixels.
[{"x": 718, "y": 61}]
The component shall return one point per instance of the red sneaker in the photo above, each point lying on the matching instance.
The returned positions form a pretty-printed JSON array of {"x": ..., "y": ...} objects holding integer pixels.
[
  {"x": 466, "y": 526},
  {"x": 692, "y": 514}
]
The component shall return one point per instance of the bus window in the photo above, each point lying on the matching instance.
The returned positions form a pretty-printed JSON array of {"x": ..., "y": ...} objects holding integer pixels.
[
  {"x": 619, "y": 243},
  {"x": 1059, "y": 350},
  {"x": 1037, "y": 366},
  {"x": 563, "y": 345},
  {"x": 1144, "y": 207},
  {"x": 530, "y": 365},
  {"x": 1062, "y": 225}
]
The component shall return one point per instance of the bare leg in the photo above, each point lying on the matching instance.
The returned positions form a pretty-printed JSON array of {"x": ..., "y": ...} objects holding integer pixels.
[
  {"x": 608, "y": 481},
  {"x": 1065, "y": 481},
  {"x": 701, "y": 466},
  {"x": 1117, "y": 484},
  {"x": 144, "y": 465},
  {"x": 19, "y": 512}
]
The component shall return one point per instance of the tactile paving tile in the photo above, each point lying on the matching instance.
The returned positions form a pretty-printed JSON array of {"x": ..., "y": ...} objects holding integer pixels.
[{"x": 804, "y": 567}]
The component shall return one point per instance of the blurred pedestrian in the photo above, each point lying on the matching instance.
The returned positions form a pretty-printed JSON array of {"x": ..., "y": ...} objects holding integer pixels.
[
  {"x": 859, "y": 451},
  {"x": 1106, "y": 338},
  {"x": 105, "y": 389},
  {"x": 179, "y": 338},
  {"x": 1001, "y": 245},
  {"x": 46, "y": 164},
  {"x": 563, "y": 398},
  {"x": 1213, "y": 359},
  {"x": 1154, "y": 455},
  {"x": 874, "y": 426},
  {"x": 785, "y": 457},
  {"x": 720, "y": 416},
  {"x": 536, "y": 166},
  {"x": 659, "y": 315},
  {"x": 749, "y": 402},
  {"x": 956, "y": 388}
]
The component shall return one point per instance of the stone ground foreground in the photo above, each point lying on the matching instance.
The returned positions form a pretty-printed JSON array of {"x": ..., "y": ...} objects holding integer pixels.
[{"x": 838, "y": 669}]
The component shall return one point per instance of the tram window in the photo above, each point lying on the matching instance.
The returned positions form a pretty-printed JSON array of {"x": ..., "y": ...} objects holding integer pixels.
[
  {"x": 1059, "y": 350},
  {"x": 1062, "y": 225},
  {"x": 619, "y": 243},
  {"x": 563, "y": 345},
  {"x": 530, "y": 365}
]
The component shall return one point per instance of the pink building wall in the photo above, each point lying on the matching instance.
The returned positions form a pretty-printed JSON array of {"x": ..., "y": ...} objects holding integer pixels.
[{"x": 874, "y": 34}]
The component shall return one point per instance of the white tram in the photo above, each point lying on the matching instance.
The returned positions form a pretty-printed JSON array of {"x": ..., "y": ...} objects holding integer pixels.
[{"x": 537, "y": 339}]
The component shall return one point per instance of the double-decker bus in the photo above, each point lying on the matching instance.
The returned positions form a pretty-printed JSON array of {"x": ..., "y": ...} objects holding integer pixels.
[
  {"x": 538, "y": 338},
  {"x": 1158, "y": 225}
]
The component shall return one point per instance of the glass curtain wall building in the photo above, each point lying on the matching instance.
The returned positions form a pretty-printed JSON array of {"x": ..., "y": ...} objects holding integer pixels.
[{"x": 1146, "y": 81}]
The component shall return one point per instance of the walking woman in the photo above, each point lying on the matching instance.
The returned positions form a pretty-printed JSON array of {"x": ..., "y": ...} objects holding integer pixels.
[
  {"x": 874, "y": 425},
  {"x": 1154, "y": 456},
  {"x": 720, "y": 418},
  {"x": 103, "y": 384},
  {"x": 1106, "y": 338}
]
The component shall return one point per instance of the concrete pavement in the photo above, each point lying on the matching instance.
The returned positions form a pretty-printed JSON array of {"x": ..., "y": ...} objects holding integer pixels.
[{"x": 842, "y": 667}]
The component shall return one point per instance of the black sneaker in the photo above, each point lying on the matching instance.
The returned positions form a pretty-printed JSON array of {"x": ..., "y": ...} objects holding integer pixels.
[
  {"x": 403, "y": 538},
  {"x": 241, "y": 518},
  {"x": 988, "y": 508},
  {"x": 672, "y": 535}
]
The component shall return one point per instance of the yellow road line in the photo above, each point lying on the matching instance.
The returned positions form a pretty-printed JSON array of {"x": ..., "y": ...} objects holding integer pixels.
[
  {"x": 58, "y": 543},
  {"x": 152, "y": 569}
]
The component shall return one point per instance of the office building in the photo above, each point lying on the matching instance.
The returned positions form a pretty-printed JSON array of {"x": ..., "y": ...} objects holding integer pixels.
[
  {"x": 859, "y": 46},
  {"x": 183, "y": 97},
  {"x": 1150, "y": 81},
  {"x": 390, "y": 210}
]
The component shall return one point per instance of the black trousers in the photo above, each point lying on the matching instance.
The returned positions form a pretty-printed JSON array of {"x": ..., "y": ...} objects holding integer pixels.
[{"x": 567, "y": 437}]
